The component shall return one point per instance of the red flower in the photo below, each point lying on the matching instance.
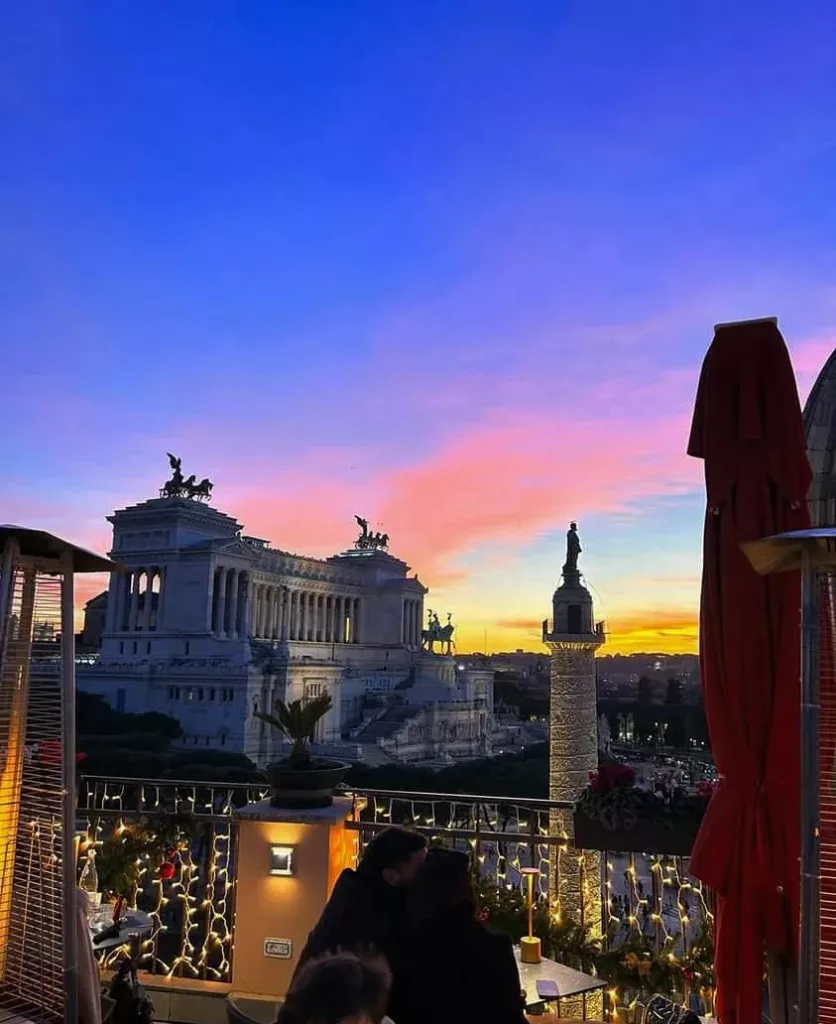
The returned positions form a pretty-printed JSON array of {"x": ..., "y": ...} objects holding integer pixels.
[
  {"x": 706, "y": 789},
  {"x": 80, "y": 756},
  {"x": 166, "y": 872},
  {"x": 482, "y": 914}
]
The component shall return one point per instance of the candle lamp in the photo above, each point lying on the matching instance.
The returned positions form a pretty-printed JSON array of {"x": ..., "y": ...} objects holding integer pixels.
[{"x": 530, "y": 944}]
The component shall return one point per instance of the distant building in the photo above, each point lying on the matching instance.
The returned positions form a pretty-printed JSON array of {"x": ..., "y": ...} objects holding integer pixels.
[
  {"x": 95, "y": 612},
  {"x": 209, "y": 625}
]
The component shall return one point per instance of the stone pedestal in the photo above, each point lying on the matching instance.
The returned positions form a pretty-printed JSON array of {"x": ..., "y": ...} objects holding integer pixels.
[{"x": 274, "y": 912}]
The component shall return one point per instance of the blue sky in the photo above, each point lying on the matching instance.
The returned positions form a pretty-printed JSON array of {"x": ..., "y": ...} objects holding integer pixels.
[{"x": 451, "y": 265}]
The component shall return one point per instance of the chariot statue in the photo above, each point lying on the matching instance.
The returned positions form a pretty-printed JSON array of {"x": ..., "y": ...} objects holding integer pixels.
[
  {"x": 435, "y": 633},
  {"x": 368, "y": 541},
  {"x": 178, "y": 487}
]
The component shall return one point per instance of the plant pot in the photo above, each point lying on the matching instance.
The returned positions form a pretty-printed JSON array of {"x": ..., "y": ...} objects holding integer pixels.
[
  {"x": 305, "y": 788},
  {"x": 674, "y": 836}
]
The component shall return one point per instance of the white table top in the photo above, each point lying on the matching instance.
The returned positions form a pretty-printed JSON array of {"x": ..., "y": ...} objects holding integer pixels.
[{"x": 569, "y": 981}]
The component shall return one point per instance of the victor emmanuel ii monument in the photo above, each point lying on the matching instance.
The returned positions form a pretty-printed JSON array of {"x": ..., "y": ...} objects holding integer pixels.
[{"x": 209, "y": 624}]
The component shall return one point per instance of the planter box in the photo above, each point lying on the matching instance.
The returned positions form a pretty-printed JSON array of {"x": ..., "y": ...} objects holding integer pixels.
[
  {"x": 652, "y": 835},
  {"x": 305, "y": 788}
]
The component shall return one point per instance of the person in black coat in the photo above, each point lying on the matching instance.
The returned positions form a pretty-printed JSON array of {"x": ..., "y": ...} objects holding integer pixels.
[
  {"x": 367, "y": 909},
  {"x": 451, "y": 968}
]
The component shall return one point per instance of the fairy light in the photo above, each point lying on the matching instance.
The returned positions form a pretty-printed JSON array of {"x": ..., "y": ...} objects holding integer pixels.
[{"x": 194, "y": 911}]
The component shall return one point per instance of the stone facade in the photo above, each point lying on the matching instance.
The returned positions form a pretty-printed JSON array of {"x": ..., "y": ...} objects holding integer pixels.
[{"x": 209, "y": 625}]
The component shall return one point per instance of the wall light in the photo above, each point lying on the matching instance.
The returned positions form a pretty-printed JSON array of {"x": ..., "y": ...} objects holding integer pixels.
[{"x": 281, "y": 860}]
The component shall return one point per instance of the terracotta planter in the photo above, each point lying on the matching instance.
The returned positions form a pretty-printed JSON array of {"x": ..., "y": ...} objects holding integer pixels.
[
  {"x": 305, "y": 788},
  {"x": 674, "y": 836}
]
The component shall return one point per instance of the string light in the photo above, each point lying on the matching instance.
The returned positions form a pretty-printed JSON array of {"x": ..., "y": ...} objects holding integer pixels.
[{"x": 194, "y": 911}]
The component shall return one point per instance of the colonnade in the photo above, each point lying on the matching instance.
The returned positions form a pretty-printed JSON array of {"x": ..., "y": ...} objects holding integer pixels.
[
  {"x": 239, "y": 607},
  {"x": 411, "y": 623},
  {"x": 135, "y": 600}
]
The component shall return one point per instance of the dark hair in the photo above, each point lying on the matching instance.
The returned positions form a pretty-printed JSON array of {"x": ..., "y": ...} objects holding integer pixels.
[
  {"x": 444, "y": 884},
  {"x": 391, "y": 847},
  {"x": 338, "y": 985}
]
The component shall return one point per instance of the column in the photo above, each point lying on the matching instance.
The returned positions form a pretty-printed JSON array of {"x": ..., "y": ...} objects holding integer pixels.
[
  {"x": 271, "y": 613},
  {"x": 247, "y": 609},
  {"x": 306, "y": 615},
  {"x": 123, "y": 596},
  {"x": 285, "y": 614},
  {"x": 340, "y": 617},
  {"x": 328, "y": 616},
  {"x": 112, "y": 601},
  {"x": 146, "y": 601},
  {"x": 258, "y": 609},
  {"x": 220, "y": 611},
  {"x": 320, "y": 618},
  {"x": 234, "y": 576},
  {"x": 134, "y": 603},
  {"x": 163, "y": 573},
  {"x": 210, "y": 601},
  {"x": 356, "y": 621}
]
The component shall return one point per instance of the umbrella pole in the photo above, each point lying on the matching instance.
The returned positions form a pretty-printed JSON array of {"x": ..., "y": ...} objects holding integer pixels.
[{"x": 808, "y": 980}]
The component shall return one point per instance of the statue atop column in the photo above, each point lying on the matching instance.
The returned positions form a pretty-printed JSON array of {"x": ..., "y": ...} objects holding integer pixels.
[{"x": 573, "y": 549}]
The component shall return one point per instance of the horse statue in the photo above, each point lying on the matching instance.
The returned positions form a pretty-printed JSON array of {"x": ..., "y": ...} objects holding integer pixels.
[
  {"x": 436, "y": 633},
  {"x": 203, "y": 490}
]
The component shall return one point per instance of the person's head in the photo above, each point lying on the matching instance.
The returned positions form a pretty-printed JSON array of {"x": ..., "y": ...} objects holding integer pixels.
[
  {"x": 444, "y": 885},
  {"x": 395, "y": 855},
  {"x": 339, "y": 988}
]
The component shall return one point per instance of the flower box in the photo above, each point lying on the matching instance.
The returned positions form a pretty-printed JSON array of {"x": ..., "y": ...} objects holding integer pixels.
[
  {"x": 614, "y": 814},
  {"x": 673, "y": 835}
]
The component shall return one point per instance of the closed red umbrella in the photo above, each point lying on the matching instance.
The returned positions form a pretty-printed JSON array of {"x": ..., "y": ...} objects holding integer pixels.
[{"x": 748, "y": 429}]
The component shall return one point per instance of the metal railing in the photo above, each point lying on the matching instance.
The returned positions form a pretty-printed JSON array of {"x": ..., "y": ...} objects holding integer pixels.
[{"x": 652, "y": 898}]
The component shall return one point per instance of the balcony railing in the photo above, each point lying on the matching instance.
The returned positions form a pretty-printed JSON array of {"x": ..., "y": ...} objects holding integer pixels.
[{"x": 649, "y": 900}]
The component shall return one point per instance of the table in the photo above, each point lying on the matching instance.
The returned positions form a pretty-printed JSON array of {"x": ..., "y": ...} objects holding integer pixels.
[
  {"x": 136, "y": 923},
  {"x": 569, "y": 981}
]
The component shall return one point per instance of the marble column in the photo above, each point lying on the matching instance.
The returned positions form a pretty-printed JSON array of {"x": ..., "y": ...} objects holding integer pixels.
[
  {"x": 284, "y": 596},
  {"x": 133, "y": 610},
  {"x": 271, "y": 613},
  {"x": 159, "y": 620},
  {"x": 146, "y": 600},
  {"x": 112, "y": 601},
  {"x": 220, "y": 611},
  {"x": 235, "y": 577},
  {"x": 247, "y": 610},
  {"x": 210, "y": 600}
]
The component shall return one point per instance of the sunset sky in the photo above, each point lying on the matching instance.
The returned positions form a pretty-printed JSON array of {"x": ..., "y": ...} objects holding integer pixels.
[{"x": 450, "y": 265}]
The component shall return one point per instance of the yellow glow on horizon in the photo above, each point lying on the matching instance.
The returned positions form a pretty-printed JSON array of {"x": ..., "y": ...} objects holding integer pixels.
[{"x": 656, "y": 631}]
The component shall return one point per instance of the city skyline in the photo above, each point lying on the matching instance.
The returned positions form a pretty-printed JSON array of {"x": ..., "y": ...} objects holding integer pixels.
[{"x": 452, "y": 268}]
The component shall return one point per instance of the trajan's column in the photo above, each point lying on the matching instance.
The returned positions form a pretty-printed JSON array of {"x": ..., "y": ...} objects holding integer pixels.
[{"x": 574, "y": 637}]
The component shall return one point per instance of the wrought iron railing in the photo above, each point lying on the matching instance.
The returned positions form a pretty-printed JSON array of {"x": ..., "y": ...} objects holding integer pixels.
[{"x": 651, "y": 897}]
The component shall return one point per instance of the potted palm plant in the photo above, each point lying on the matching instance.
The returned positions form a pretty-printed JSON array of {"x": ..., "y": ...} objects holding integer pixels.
[{"x": 301, "y": 781}]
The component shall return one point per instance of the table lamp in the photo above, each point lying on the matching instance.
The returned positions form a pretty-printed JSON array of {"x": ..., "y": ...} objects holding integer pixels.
[{"x": 530, "y": 944}]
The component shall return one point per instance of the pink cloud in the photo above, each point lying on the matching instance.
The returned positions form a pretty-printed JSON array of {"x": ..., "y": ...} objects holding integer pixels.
[{"x": 503, "y": 481}]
